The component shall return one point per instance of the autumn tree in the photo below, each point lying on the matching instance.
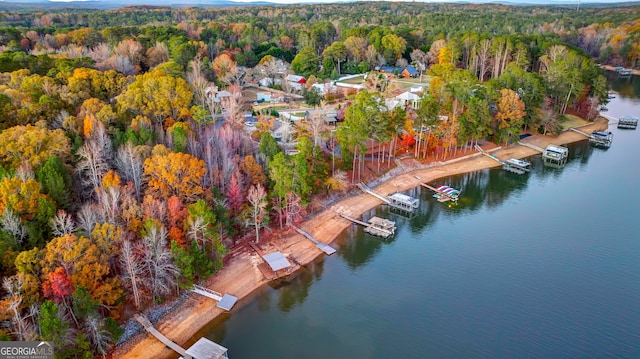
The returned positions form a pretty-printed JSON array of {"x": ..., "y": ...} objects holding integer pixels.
[
  {"x": 225, "y": 68},
  {"x": 510, "y": 112},
  {"x": 157, "y": 96},
  {"x": 87, "y": 265},
  {"x": 174, "y": 174},
  {"x": 33, "y": 144}
]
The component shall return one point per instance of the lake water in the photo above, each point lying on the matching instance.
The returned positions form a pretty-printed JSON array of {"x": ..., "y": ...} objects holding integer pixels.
[{"x": 545, "y": 265}]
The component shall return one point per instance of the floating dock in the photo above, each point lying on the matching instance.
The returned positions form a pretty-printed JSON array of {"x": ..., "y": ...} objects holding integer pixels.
[
  {"x": 511, "y": 165},
  {"x": 555, "y": 156},
  {"x": 375, "y": 226},
  {"x": 444, "y": 193},
  {"x": 397, "y": 200},
  {"x": 628, "y": 122},
  {"x": 327, "y": 249},
  {"x": 601, "y": 138},
  {"x": 226, "y": 301},
  {"x": 597, "y": 138}
]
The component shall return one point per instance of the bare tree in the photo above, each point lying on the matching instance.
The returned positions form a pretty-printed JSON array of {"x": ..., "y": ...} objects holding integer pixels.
[
  {"x": 483, "y": 54},
  {"x": 257, "y": 217},
  {"x": 129, "y": 164},
  {"x": 109, "y": 202},
  {"x": 92, "y": 166},
  {"x": 160, "y": 272},
  {"x": 87, "y": 217},
  {"x": 98, "y": 335},
  {"x": 24, "y": 327},
  {"x": 157, "y": 54},
  {"x": 11, "y": 223},
  {"x": 316, "y": 123},
  {"x": 420, "y": 60},
  {"x": 62, "y": 223},
  {"x": 133, "y": 270}
]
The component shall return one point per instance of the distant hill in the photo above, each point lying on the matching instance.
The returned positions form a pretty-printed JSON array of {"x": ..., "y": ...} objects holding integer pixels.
[{"x": 112, "y": 4}]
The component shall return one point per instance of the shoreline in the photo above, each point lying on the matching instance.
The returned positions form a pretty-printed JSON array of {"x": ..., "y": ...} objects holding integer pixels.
[{"x": 242, "y": 278}]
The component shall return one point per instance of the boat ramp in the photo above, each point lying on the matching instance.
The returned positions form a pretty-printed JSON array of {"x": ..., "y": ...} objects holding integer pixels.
[
  {"x": 397, "y": 200},
  {"x": 597, "y": 138},
  {"x": 376, "y": 226},
  {"x": 511, "y": 165}
]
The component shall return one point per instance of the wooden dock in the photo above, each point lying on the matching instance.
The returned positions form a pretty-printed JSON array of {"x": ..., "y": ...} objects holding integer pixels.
[
  {"x": 532, "y": 146},
  {"x": 397, "y": 200},
  {"x": 266, "y": 270},
  {"x": 166, "y": 341},
  {"x": 327, "y": 249},
  {"x": 511, "y": 165},
  {"x": 375, "y": 226},
  {"x": 226, "y": 301},
  {"x": 596, "y": 138}
]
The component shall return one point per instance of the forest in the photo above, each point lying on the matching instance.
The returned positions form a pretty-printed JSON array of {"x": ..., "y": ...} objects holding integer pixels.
[{"x": 126, "y": 175}]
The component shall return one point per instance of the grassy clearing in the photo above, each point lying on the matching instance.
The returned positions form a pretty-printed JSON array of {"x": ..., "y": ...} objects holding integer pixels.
[
  {"x": 354, "y": 81},
  {"x": 573, "y": 121}
]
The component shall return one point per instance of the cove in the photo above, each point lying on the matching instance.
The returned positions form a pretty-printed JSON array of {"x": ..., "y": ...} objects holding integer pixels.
[{"x": 541, "y": 265}]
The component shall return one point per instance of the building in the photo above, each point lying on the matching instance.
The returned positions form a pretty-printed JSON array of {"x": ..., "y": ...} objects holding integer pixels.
[
  {"x": 330, "y": 116},
  {"x": 296, "y": 82}
]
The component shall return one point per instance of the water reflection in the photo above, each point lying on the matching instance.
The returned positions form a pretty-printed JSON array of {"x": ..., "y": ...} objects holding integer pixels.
[
  {"x": 293, "y": 292},
  {"x": 361, "y": 247},
  {"x": 626, "y": 87}
]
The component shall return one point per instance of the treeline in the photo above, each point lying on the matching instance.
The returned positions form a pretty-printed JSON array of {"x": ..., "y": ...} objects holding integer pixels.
[
  {"x": 126, "y": 172},
  {"x": 608, "y": 34}
]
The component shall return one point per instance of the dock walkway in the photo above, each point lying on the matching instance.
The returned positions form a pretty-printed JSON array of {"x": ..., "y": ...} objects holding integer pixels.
[
  {"x": 327, "y": 249},
  {"x": 226, "y": 301},
  {"x": 166, "y": 341},
  {"x": 512, "y": 165},
  {"x": 532, "y": 146},
  {"x": 368, "y": 190}
]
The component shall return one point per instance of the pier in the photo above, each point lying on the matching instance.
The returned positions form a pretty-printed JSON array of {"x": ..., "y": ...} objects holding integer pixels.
[
  {"x": 443, "y": 193},
  {"x": 375, "y": 226},
  {"x": 598, "y": 139},
  {"x": 397, "y": 200},
  {"x": 327, "y": 249},
  {"x": 532, "y": 146},
  {"x": 166, "y": 341},
  {"x": 226, "y": 301},
  {"x": 511, "y": 165}
]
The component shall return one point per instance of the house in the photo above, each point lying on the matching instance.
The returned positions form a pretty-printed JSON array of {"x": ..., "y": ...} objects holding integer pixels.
[
  {"x": 408, "y": 99},
  {"x": 410, "y": 71},
  {"x": 268, "y": 82},
  {"x": 330, "y": 116},
  {"x": 263, "y": 97},
  {"x": 296, "y": 82},
  {"x": 392, "y": 70}
]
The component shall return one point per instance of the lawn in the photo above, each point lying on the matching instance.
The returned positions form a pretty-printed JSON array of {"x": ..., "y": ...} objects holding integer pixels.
[
  {"x": 354, "y": 81},
  {"x": 573, "y": 121}
]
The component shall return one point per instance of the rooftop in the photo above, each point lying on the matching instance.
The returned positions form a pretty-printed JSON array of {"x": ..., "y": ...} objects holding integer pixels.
[{"x": 276, "y": 261}]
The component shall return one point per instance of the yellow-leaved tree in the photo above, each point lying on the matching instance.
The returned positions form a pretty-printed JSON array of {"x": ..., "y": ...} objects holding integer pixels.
[
  {"x": 33, "y": 144},
  {"x": 174, "y": 174}
]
